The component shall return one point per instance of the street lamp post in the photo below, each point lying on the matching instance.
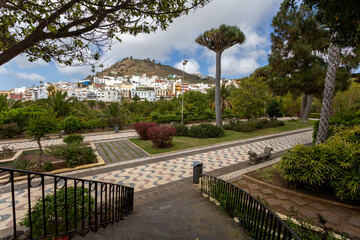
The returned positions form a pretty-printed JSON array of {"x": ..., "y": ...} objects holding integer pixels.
[{"x": 182, "y": 94}]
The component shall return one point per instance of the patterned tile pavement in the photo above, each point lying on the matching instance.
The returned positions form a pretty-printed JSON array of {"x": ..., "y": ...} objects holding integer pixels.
[
  {"x": 154, "y": 174},
  {"x": 27, "y": 144}
]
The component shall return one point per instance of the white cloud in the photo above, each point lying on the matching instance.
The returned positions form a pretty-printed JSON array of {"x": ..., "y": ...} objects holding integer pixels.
[
  {"x": 252, "y": 16},
  {"x": 74, "y": 70},
  {"x": 23, "y": 62},
  {"x": 192, "y": 66},
  {"x": 21, "y": 75}
]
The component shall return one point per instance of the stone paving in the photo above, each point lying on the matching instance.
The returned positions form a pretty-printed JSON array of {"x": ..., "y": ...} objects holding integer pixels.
[
  {"x": 146, "y": 176},
  {"x": 29, "y": 144},
  {"x": 340, "y": 218},
  {"x": 119, "y": 151}
]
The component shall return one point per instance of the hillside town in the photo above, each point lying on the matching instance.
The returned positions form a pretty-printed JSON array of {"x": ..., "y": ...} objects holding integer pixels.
[{"x": 112, "y": 89}]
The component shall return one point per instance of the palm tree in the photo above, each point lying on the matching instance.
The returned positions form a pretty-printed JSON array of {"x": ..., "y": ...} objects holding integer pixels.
[
  {"x": 114, "y": 114},
  {"x": 7, "y": 104},
  {"x": 334, "y": 61},
  {"x": 225, "y": 95},
  {"x": 218, "y": 40},
  {"x": 58, "y": 102}
]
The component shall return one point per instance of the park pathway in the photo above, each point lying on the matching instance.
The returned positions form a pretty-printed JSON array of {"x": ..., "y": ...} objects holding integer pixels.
[{"x": 148, "y": 173}]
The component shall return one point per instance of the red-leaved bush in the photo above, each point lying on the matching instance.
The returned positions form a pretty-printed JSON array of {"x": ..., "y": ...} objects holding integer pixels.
[
  {"x": 142, "y": 127},
  {"x": 161, "y": 136}
]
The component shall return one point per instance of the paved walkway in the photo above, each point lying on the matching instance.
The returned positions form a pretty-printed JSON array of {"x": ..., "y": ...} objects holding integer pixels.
[
  {"x": 341, "y": 219},
  {"x": 154, "y": 172}
]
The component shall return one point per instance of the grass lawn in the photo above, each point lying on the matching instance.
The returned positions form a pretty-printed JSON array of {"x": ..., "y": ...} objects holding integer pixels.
[{"x": 180, "y": 143}]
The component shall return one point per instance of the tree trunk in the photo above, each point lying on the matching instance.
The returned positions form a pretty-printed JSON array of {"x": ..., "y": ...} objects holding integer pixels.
[
  {"x": 217, "y": 90},
  {"x": 334, "y": 60},
  {"x": 307, "y": 109},
  {"x": 303, "y": 105}
]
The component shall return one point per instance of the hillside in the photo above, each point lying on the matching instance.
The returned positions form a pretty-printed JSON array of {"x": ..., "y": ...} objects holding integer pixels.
[{"x": 137, "y": 66}]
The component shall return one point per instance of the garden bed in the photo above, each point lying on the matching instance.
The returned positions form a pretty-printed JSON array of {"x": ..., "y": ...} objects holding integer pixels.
[
  {"x": 271, "y": 175},
  {"x": 58, "y": 165},
  {"x": 180, "y": 143},
  {"x": 8, "y": 156}
]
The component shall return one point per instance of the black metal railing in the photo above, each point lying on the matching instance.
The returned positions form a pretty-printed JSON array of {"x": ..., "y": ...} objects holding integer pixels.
[
  {"x": 257, "y": 219},
  {"x": 59, "y": 206}
]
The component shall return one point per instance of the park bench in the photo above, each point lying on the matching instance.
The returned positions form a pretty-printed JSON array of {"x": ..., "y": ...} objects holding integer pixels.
[{"x": 255, "y": 158}]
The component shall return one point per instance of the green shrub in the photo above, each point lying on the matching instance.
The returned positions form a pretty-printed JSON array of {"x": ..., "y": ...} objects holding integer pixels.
[
  {"x": 37, "y": 220},
  {"x": 23, "y": 164},
  {"x": 74, "y": 154},
  {"x": 314, "y": 115},
  {"x": 274, "y": 109},
  {"x": 334, "y": 165},
  {"x": 73, "y": 138},
  {"x": 250, "y": 126},
  {"x": 340, "y": 120},
  {"x": 205, "y": 130},
  {"x": 181, "y": 130},
  {"x": 47, "y": 166},
  {"x": 71, "y": 124},
  {"x": 9, "y": 130}
]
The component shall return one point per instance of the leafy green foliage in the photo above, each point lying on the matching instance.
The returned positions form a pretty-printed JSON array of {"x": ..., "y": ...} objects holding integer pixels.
[
  {"x": 40, "y": 126},
  {"x": 71, "y": 124},
  {"x": 252, "y": 125},
  {"x": 73, "y": 138},
  {"x": 37, "y": 26},
  {"x": 205, "y": 130},
  {"x": 23, "y": 164},
  {"x": 334, "y": 165},
  {"x": 37, "y": 220},
  {"x": 59, "y": 104},
  {"x": 48, "y": 166},
  {"x": 181, "y": 130},
  {"x": 274, "y": 109},
  {"x": 250, "y": 98},
  {"x": 296, "y": 59},
  {"x": 339, "y": 121},
  {"x": 314, "y": 115},
  {"x": 341, "y": 18}
]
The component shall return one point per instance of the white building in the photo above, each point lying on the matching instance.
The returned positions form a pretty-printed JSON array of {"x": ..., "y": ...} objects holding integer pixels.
[
  {"x": 109, "y": 95},
  {"x": 144, "y": 93},
  {"x": 39, "y": 93}
]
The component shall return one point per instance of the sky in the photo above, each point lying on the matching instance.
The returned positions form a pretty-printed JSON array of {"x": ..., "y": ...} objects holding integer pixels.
[{"x": 253, "y": 17}]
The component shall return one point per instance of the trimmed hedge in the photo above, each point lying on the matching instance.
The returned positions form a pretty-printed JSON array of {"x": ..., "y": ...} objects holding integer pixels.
[
  {"x": 250, "y": 126},
  {"x": 161, "y": 136},
  {"x": 205, "y": 130},
  {"x": 142, "y": 127},
  {"x": 334, "y": 165},
  {"x": 181, "y": 130}
]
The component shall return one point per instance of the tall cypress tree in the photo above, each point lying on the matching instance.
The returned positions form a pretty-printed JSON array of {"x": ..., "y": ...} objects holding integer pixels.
[{"x": 298, "y": 55}]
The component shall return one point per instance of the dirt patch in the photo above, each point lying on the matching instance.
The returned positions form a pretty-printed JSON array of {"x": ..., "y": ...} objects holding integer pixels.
[{"x": 272, "y": 176}]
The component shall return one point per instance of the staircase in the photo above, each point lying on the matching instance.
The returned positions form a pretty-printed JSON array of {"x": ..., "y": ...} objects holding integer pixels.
[{"x": 172, "y": 211}]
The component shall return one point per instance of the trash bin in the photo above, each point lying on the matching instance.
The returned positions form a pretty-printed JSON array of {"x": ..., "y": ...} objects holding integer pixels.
[
  {"x": 198, "y": 167},
  {"x": 116, "y": 128}
]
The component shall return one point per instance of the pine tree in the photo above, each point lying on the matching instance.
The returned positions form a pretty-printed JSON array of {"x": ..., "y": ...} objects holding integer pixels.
[{"x": 297, "y": 56}]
